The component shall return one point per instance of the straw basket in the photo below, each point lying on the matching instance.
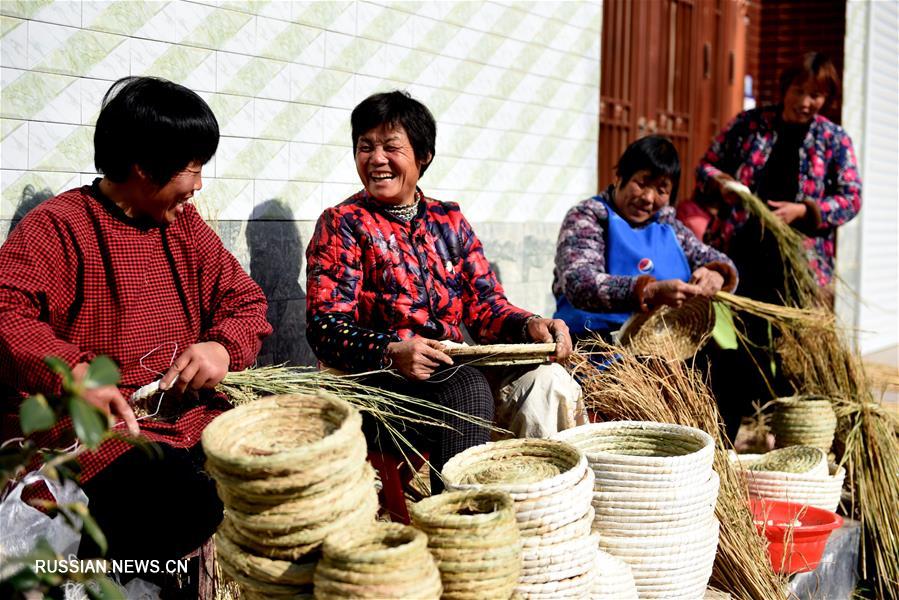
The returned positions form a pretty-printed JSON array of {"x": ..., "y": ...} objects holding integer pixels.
[
  {"x": 804, "y": 421},
  {"x": 290, "y": 470},
  {"x": 475, "y": 541},
  {"x": 382, "y": 560},
  {"x": 551, "y": 486},
  {"x": 814, "y": 490},
  {"x": 794, "y": 459},
  {"x": 675, "y": 332}
]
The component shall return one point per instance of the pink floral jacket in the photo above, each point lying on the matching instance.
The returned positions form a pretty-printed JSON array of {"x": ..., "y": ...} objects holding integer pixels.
[{"x": 829, "y": 182}]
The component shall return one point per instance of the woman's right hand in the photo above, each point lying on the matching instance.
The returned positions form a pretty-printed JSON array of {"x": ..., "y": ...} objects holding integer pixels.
[
  {"x": 671, "y": 292},
  {"x": 108, "y": 399},
  {"x": 728, "y": 195},
  {"x": 417, "y": 358}
]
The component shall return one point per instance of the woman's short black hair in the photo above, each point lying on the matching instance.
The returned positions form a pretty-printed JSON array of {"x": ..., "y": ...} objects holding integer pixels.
[
  {"x": 654, "y": 153},
  {"x": 155, "y": 124},
  {"x": 398, "y": 108}
]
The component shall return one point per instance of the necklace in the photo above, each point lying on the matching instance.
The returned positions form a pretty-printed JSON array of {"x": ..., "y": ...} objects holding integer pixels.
[{"x": 404, "y": 213}]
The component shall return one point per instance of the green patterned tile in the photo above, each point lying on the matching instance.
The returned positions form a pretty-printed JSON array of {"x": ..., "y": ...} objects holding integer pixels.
[
  {"x": 438, "y": 37},
  {"x": 225, "y": 106},
  {"x": 177, "y": 62},
  {"x": 253, "y": 7},
  {"x": 384, "y": 26},
  {"x": 320, "y": 14},
  {"x": 125, "y": 17},
  {"x": 29, "y": 93},
  {"x": 23, "y": 8},
  {"x": 253, "y": 76},
  {"x": 7, "y": 24},
  {"x": 508, "y": 22},
  {"x": 72, "y": 153},
  {"x": 291, "y": 42},
  {"x": 82, "y": 50},
  {"x": 354, "y": 55},
  {"x": 289, "y": 121},
  {"x": 251, "y": 160},
  {"x": 219, "y": 27},
  {"x": 412, "y": 65},
  {"x": 323, "y": 87}
]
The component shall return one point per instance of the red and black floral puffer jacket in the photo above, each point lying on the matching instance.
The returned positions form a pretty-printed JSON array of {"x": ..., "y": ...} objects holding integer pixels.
[{"x": 373, "y": 279}]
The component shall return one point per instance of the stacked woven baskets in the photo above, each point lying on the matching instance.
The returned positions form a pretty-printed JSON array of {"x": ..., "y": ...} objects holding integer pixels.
[
  {"x": 816, "y": 486},
  {"x": 804, "y": 421},
  {"x": 614, "y": 580},
  {"x": 290, "y": 470},
  {"x": 381, "y": 560},
  {"x": 654, "y": 497},
  {"x": 552, "y": 487},
  {"x": 474, "y": 538}
]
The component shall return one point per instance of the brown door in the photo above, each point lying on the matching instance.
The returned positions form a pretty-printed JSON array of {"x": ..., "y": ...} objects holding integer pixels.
[{"x": 669, "y": 67}]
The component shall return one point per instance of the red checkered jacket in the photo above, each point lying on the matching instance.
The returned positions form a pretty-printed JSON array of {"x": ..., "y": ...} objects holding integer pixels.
[
  {"x": 79, "y": 278},
  {"x": 373, "y": 279}
]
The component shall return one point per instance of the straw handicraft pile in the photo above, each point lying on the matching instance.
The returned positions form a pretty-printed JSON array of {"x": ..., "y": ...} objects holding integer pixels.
[
  {"x": 474, "y": 538},
  {"x": 654, "y": 497},
  {"x": 551, "y": 486},
  {"x": 670, "y": 391},
  {"x": 499, "y": 355},
  {"x": 795, "y": 459},
  {"x": 804, "y": 421},
  {"x": 814, "y": 489},
  {"x": 290, "y": 470},
  {"x": 382, "y": 560},
  {"x": 679, "y": 332}
]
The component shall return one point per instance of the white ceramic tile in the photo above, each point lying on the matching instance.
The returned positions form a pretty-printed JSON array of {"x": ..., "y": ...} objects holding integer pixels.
[
  {"x": 335, "y": 193},
  {"x": 302, "y": 198},
  {"x": 43, "y": 138},
  {"x": 61, "y": 12},
  {"x": 64, "y": 106},
  {"x": 277, "y": 9},
  {"x": 278, "y": 85},
  {"x": 14, "y": 146},
  {"x": 116, "y": 64},
  {"x": 18, "y": 185},
  {"x": 384, "y": 24},
  {"x": 228, "y": 199},
  {"x": 14, "y": 46},
  {"x": 277, "y": 167},
  {"x": 44, "y": 39},
  {"x": 167, "y": 25},
  {"x": 336, "y": 128},
  {"x": 92, "y": 93}
]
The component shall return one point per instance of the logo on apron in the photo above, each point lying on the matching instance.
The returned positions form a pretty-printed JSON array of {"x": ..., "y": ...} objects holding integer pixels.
[{"x": 645, "y": 265}]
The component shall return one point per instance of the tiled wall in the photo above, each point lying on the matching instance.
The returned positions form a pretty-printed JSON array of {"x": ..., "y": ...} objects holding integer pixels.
[{"x": 514, "y": 87}]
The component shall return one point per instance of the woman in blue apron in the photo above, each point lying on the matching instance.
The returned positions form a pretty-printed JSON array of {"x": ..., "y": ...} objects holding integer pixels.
[{"x": 623, "y": 250}]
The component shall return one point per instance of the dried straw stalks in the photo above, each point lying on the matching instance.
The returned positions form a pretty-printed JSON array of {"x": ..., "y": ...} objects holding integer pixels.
[
  {"x": 817, "y": 361},
  {"x": 671, "y": 391}
]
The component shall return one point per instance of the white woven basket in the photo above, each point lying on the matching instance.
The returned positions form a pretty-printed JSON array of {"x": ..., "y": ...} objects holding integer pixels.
[
  {"x": 614, "y": 580},
  {"x": 642, "y": 446}
]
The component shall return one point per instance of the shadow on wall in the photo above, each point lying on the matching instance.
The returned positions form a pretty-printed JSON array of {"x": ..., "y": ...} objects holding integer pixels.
[
  {"x": 30, "y": 199},
  {"x": 276, "y": 260}
]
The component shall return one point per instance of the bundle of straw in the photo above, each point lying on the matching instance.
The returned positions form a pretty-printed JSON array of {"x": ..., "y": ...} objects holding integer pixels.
[
  {"x": 817, "y": 361},
  {"x": 669, "y": 391}
]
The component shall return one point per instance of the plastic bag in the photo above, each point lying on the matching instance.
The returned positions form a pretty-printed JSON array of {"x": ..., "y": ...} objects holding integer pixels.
[{"x": 22, "y": 525}]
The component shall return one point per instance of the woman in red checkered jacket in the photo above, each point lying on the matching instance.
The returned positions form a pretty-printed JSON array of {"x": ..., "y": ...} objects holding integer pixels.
[{"x": 125, "y": 267}]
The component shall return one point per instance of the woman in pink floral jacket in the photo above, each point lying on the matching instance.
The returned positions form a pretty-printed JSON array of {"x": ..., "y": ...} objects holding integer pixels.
[{"x": 799, "y": 162}]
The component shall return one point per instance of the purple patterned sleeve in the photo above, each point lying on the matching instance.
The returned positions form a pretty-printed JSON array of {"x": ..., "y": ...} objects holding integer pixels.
[
  {"x": 581, "y": 263},
  {"x": 843, "y": 194}
]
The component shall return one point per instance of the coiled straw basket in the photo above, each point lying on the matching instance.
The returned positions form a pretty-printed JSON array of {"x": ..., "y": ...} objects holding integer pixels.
[
  {"x": 551, "y": 486},
  {"x": 475, "y": 540},
  {"x": 382, "y": 560},
  {"x": 804, "y": 421},
  {"x": 677, "y": 333},
  {"x": 290, "y": 470}
]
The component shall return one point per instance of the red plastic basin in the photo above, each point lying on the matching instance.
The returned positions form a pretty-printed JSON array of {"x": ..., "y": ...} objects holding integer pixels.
[{"x": 794, "y": 549}]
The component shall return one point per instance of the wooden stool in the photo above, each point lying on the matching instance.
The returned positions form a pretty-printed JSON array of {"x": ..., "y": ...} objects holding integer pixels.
[{"x": 395, "y": 473}]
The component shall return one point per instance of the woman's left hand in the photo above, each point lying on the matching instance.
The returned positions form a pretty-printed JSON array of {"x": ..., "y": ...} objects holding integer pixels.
[
  {"x": 788, "y": 211},
  {"x": 709, "y": 281},
  {"x": 551, "y": 330},
  {"x": 202, "y": 365}
]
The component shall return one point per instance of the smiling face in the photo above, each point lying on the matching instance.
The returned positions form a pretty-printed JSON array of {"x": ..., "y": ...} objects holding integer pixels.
[
  {"x": 387, "y": 165},
  {"x": 642, "y": 196},
  {"x": 802, "y": 101},
  {"x": 164, "y": 204}
]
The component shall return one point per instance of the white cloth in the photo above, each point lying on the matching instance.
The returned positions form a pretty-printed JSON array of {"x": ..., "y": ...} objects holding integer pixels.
[{"x": 537, "y": 402}]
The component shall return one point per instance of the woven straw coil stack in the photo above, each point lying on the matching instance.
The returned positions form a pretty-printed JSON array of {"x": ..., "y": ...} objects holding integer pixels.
[
  {"x": 654, "y": 498},
  {"x": 551, "y": 487},
  {"x": 474, "y": 538},
  {"x": 815, "y": 487},
  {"x": 804, "y": 421},
  {"x": 290, "y": 470},
  {"x": 380, "y": 560}
]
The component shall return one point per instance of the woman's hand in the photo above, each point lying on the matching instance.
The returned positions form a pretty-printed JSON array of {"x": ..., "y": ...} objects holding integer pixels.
[
  {"x": 728, "y": 194},
  {"x": 671, "y": 292},
  {"x": 108, "y": 399},
  {"x": 202, "y": 365},
  {"x": 709, "y": 281},
  {"x": 417, "y": 358},
  {"x": 551, "y": 330},
  {"x": 788, "y": 211}
]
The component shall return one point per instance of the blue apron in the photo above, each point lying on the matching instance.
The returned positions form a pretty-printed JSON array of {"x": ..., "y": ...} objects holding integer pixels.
[{"x": 649, "y": 250}]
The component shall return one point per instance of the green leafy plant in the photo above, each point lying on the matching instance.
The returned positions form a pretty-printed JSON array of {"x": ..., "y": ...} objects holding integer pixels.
[{"x": 39, "y": 413}]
